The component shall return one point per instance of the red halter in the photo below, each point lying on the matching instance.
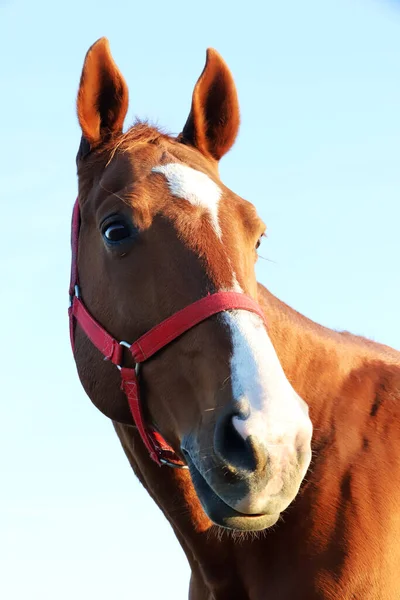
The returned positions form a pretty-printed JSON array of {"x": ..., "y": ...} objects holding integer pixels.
[{"x": 147, "y": 345}]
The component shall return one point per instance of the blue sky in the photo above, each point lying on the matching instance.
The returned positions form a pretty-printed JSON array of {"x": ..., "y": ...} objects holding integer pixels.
[{"x": 318, "y": 154}]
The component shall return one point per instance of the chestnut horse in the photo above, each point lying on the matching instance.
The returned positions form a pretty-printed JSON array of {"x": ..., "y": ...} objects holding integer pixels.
[{"x": 241, "y": 395}]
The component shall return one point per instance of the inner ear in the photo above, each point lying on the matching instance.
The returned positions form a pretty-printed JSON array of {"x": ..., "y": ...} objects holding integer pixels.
[
  {"x": 102, "y": 101},
  {"x": 214, "y": 118}
]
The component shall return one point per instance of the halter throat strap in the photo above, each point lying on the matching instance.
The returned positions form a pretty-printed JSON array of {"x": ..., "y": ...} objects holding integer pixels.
[{"x": 147, "y": 345}]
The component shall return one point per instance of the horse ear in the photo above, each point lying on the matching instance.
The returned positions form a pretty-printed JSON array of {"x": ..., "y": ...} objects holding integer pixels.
[
  {"x": 102, "y": 101},
  {"x": 213, "y": 122}
]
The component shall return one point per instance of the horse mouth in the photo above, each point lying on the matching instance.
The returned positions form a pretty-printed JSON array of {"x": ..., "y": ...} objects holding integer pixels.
[{"x": 220, "y": 512}]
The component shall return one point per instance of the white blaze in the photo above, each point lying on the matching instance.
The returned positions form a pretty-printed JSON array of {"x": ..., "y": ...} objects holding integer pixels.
[
  {"x": 195, "y": 187},
  {"x": 276, "y": 413},
  {"x": 276, "y": 416}
]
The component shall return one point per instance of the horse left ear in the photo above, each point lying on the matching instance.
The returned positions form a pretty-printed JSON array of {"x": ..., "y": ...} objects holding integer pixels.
[
  {"x": 213, "y": 122},
  {"x": 102, "y": 101}
]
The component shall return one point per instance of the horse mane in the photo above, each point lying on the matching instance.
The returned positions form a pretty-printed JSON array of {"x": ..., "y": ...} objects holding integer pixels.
[
  {"x": 350, "y": 342},
  {"x": 141, "y": 132}
]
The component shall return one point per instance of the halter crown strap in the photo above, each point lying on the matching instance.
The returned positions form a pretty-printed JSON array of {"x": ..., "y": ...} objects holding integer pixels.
[{"x": 148, "y": 344}]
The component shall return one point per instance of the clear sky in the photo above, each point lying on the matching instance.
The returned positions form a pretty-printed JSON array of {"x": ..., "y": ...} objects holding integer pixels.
[{"x": 318, "y": 153}]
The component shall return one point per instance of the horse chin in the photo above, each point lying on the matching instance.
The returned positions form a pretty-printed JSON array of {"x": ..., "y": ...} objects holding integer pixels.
[{"x": 221, "y": 513}]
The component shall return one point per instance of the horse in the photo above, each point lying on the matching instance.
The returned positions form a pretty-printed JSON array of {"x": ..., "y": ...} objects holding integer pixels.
[{"x": 269, "y": 442}]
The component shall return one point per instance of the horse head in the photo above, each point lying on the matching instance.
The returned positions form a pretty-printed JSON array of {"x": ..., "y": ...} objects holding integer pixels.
[{"x": 159, "y": 231}]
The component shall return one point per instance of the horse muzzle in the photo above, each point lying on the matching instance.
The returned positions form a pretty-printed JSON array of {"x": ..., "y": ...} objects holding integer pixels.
[{"x": 245, "y": 483}]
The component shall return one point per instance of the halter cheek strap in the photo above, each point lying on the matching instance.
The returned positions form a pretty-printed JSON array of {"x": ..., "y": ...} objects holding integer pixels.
[{"x": 147, "y": 345}]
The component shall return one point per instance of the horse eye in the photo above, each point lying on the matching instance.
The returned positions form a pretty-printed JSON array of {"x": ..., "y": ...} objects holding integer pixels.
[
  {"x": 116, "y": 232},
  {"x": 258, "y": 244}
]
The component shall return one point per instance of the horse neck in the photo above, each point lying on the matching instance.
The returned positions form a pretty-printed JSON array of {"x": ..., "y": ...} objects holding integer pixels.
[{"x": 321, "y": 365}]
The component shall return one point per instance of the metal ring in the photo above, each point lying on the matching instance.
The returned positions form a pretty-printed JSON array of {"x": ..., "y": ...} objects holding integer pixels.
[
  {"x": 128, "y": 345},
  {"x": 136, "y": 367}
]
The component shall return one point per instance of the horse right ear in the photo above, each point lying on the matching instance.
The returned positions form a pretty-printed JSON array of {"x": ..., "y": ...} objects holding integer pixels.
[
  {"x": 213, "y": 122},
  {"x": 102, "y": 101}
]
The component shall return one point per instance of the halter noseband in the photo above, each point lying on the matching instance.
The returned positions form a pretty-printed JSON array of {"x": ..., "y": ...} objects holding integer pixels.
[{"x": 147, "y": 345}]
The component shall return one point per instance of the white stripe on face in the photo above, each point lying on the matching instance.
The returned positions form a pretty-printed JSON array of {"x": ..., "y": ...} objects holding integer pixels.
[
  {"x": 195, "y": 187},
  {"x": 272, "y": 412},
  {"x": 276, "y": 412},
  {"x": 277, "y": 415}
]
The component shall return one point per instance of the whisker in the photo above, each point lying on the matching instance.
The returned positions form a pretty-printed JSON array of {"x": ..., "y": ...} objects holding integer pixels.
[{"x": 268, "y": 259}]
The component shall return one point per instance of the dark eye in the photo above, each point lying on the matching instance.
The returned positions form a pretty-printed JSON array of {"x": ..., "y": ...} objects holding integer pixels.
[
  {"x": 258, "y": 244},
  {"x": 116, "y": 232}
]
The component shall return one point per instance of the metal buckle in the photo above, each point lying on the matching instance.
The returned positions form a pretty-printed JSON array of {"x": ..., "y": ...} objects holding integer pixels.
[
  {"x": 137, "y": 365},
  {"x": 171, "y": 464},
  {"x": 76, "y": 294}
]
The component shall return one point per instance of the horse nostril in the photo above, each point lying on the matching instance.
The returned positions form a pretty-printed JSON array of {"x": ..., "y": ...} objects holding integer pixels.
[{"x": 245, "y": 455}]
